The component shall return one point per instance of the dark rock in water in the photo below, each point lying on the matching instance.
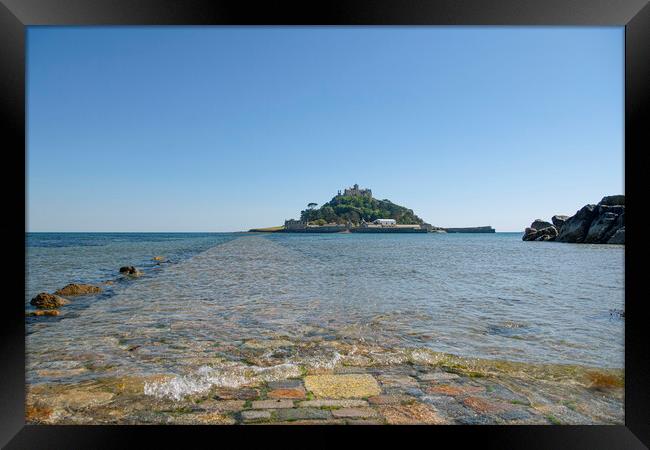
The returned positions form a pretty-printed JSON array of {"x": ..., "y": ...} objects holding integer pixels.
[
  {"x": 592, "y": 224},
  {"x": 575, "y": 228},
  {"x": 539, "y": 224},
  {"x": 612, "y": 200},
  {"x": 130, "y": 270},
  {"x": 78, "y": 289},
  {"x": 558, "y": 221},
  {"x": 529, "y": 234},
  {"x": 618, "y": 237},
  {"x": 548, "y": 233},
  {"x": 48, "y": 301}
]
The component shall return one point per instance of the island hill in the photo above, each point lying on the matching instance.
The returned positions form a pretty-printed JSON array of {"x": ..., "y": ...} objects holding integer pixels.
[{"x": 355, "y": 210}]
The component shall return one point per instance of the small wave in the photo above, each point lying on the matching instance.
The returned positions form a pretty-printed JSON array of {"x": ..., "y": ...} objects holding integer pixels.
[
  {"x": 229, "y": 376},
  {"x": 321, "y": 362}
]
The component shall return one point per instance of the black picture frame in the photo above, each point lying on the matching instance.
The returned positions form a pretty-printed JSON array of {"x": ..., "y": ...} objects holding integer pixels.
[{"x": 16, "y": 15}]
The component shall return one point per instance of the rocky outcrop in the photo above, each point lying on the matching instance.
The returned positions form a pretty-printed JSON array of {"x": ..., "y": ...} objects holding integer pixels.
[
  {"x": 78, "y": 289},
  {"x": 548, "y": 233},
  {"x": 539, "y": 224},
  {"x": 558, "y": 221},
  {"x": 613, "y": 200},
  {"x": 618, "y": 238},
  {"x": 603, "y": 223},
  {"x": 48, "y": 301},
  {"x": 576, "y": 227}
]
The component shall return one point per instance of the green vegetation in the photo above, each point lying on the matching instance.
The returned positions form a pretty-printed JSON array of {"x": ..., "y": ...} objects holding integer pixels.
[
  {"x": 554, "y": 420},
  {"x": 357, "y": 208}
]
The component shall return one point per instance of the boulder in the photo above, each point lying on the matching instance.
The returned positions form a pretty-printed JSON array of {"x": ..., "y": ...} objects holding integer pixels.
[
  {"x": 48, "y": 301},
  {"x": 600, "y": 228},
  {"x": 540, "y": 224},
  {"x": 529, "y": 234},
  {"x": 618, "y": 237},
  {"x": 558, "y": 221},
  {"x": 612, "y": 200},
  {"x": 130, "y": 270},
  {"x": 575, "y": 228},
  {"x": 78, "y": 289},
  {"x": 546, "y": 234}
]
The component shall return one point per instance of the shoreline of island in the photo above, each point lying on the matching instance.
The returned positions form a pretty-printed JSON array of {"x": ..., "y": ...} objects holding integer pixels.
[{"x": 355, "y": 210}]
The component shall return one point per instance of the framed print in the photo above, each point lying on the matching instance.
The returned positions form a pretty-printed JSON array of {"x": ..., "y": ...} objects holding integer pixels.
[{"x": 375, "y": 218}]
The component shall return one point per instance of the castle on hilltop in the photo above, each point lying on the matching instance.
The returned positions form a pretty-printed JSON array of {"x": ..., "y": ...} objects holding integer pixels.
[{"x": 356, "y": 191}]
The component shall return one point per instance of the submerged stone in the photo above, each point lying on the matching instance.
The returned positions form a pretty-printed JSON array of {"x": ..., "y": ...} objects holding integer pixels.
[
  {"x": 250, "y": 416},
  {"x": 78, "y": 289},
  {"x": 43, "y": 312},
  {"x": 272, "y": 404},
  {"x": 48, "y": 301},
  {"x": 412, "y": 414},
  {"x": 297, "y": 393},
  {"x": 303, "y": 414},
  {"x": 326, "y": 403},
  {"x": 354, "y": 413},
  {"x": 342, "y": 386}
]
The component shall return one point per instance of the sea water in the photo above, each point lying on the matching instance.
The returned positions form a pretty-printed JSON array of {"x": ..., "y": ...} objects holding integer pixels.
[{"x": 474, "y": 295}]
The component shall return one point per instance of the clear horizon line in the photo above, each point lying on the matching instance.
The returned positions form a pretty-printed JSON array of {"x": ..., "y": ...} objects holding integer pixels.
[{"x": 176, "y": 231}]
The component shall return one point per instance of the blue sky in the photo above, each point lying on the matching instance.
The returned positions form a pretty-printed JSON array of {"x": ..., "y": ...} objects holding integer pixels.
[{"x": 224, "y": 129}]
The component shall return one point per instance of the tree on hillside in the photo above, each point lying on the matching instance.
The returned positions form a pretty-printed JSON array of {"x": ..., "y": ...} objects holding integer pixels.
[{"x": 312, "y": 205}]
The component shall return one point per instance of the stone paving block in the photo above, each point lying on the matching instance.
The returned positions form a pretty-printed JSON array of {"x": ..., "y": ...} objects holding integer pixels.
[
  {"x": 476, "y": 420},
  {"x": 297, "y": 393},
  {"x": 401, "y": 381},
  {"x": 314, "y": 422},
  {"x": 285, "y": 384},
  {"x": 342, "y": 386},
  {"x": 453, "y": 390},
  {"x": 448, "y": 406},
  {"x": 252, "y": 415},
  {"x": 383, "y": 399},
  {"x": 302, "y": 414},
  {"x": 515, "y": 414},
  {"x": 223, "y": 405},
  {"x": 236, "y": 394},
  {"x": 377, "y": 421},
  {"x": 484, "y": 406},
  {"x": 438, "y": 376},
  {"x": 413, "y": 414},
  {"x": 272, "y": 404},
  {"x": 332, "y": 403},
  {"x": 354, "y": 413}
]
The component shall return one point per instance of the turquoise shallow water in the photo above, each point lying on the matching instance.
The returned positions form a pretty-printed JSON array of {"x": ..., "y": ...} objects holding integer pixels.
[{"x": 483, "y": 295}]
